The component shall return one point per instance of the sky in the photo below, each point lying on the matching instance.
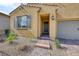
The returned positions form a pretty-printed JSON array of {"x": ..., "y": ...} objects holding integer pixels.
[{"x": 8, "y": 8}]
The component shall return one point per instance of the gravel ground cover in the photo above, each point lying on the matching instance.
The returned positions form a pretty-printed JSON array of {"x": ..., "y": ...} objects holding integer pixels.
[
  {"x": 40, "y": 52},
  {"x": 12, "y": 49},
  {"x": 68, "y": 48}
]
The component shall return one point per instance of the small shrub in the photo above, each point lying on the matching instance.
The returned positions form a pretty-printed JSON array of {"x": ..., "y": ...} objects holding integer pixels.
[
  {"x": 57, "y": 43},
  {"x": 11, "y": 37}
]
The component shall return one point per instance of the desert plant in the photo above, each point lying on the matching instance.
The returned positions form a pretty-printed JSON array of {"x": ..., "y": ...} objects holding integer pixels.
[
  {"x": 57, "y": 43},
  {"x": 11, "y": 37}
]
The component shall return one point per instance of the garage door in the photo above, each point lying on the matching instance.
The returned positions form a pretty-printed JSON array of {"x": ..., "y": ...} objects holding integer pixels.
[{"x": 68, "y": 30}]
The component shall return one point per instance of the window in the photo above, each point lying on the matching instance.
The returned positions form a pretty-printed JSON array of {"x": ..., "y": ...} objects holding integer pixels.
[{"x": 23, "y": 22}]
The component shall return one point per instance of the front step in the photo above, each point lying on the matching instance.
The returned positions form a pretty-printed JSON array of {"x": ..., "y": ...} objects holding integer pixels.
[
  {"x": 44, "y": 38},
  {"x": 43, "y": 44}
]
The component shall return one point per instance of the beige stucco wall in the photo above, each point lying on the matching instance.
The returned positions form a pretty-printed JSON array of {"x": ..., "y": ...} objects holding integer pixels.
[
  {"x": 30, "y": 32},
  {"x": 69, "y": 11},
  {"x": 4, "y": 22}
]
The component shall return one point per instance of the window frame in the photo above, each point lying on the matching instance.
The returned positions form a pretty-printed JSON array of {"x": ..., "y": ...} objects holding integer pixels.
[{"x": 28, "y": 22}]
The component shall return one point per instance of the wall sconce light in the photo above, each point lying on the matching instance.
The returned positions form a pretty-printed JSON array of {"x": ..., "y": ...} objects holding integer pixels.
[{"x": 52, "y": 17}]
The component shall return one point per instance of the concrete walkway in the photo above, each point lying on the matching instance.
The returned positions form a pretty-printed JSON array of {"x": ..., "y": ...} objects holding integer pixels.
[
  {"x": 71, "y": 46},
  {"x": 71, "y": 50}
]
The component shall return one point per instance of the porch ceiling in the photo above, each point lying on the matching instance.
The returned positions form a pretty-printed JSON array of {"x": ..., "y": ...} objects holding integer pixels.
[{"x": 45, "y": 16}]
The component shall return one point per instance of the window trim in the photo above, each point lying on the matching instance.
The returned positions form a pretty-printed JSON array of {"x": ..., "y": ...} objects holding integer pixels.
[{"x": 20, "y": 28}]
